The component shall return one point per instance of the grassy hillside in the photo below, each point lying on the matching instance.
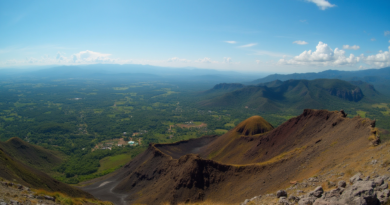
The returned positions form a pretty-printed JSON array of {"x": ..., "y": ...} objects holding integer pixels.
[
  {"x": 13, "y": 170},
  {"x": 32, "y": 155}
]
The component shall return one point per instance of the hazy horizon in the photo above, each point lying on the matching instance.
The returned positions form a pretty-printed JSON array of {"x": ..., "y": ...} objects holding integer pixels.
[{"x": 284, "y": 36}]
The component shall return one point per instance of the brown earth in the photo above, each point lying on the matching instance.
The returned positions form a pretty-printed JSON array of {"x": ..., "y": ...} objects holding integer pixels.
[{"x": 239, "y": 164}]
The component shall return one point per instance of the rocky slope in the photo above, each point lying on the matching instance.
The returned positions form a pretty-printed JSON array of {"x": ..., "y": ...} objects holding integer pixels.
[
  {"x": 239, "y": 165},
  {"x": 17, "y": 194}
]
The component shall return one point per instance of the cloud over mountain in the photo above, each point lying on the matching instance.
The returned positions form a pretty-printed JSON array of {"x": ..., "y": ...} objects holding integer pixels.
[
  {"x": 323, "y": 55},
  {"x": 326, "y": 56}
]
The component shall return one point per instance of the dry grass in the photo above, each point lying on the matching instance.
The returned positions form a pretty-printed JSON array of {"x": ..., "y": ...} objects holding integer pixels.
[
  {"x": 386, "y": 163},
  {"x": 66, "y": 200},
  {"x": 199, "y": 203}
]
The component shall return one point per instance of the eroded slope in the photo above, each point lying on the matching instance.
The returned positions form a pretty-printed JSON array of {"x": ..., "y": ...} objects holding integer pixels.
[{"x": 238, "y": 165}]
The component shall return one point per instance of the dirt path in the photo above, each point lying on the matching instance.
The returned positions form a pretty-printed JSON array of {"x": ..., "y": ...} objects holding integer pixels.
[{"x": 104, "y": 191}]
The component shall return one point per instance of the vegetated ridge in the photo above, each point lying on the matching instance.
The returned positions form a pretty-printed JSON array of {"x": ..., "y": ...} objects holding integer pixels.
[
  {"x": 224, "y": 87},
  {"x": 294, "y": 94},
  {"x": 13, "y": 170},
  {"x": 378, "y": 77},
  {"x": 250, "y": 159},
  {"x": 31, "y": 155}
]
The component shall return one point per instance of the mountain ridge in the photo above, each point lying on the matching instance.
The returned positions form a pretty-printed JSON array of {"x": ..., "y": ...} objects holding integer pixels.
[
  {"x": 295, "y": 94},
  {"x": 247, "y": 166}
]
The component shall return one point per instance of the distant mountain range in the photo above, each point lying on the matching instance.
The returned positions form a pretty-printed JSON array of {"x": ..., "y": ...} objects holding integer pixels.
[
  {"x": 131, "y": 72},
  {"x": 380, "y": 78},
  {"x": 290, "y": 94}
]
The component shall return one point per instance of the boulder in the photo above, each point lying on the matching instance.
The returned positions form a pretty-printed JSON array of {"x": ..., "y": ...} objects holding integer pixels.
[
  {"x": 318, "y": 192},
  {"x": 313, "y": 179},
  {"x": 323, "y": 202},
  {"x": 383, "y": 196},
  {"x": 383, "y": 186},
  {"x": 378, "y": 181},
  {"x": 307, "y": 201},
  {"x": 281, "y": 193},
  {"x": 361, "y": 192},
  {"x": 293, "y": 199},
  {"x": 50, "y": 198},
  {"x": 343, "y": 113},
  {"x": 245, "y": 202},
  {"x": 283, "y": 201},
  {"x": 356, "y": 177},
  {"x": 342, "y": 184}
]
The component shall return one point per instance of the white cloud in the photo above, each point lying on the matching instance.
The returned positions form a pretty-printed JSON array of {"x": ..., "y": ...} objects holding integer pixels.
[
  {"x": 176, "y": 59},
  {"x": 354, "y": 47},
  {"x": 248, "y": 45},
  {"x": 231, "y": 42},
  {"x": 300, "y": 42},
  {"x": 204, "y": 60},
  {"x": 227, "y": 60},
  {"x": 373, "y": 39},
  {"x": 322, "y": 4},
  {"x": 268, "y": 53},
  {"x": 91, "y": 57},
  {"x": 258, "y": 61},
  {"x": 322, "y": 56},
  {"x": 389, "y": 41},
  {"x": 387, "y": 33},
  {"x": 83, "y": 57},
  {"x": 382, "y": 59}
]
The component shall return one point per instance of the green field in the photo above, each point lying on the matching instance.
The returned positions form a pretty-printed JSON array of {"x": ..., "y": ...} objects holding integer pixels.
[
  {"x": 113, "y": 161},
  {"x": 220, "y": 131},
  {"x": 18, "y": 104},
  {"x": 285, "y": 117},
  {"x": 230, "y": 125},
  {"x": 361, "y": 113},
  {"x": 98, "y": 111},
  {"x": 383, "y": 106}
]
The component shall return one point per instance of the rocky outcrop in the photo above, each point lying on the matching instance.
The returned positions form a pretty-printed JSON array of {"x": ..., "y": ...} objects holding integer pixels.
[
  {"x": 351, "y": 95},
  {"x": 360, "y": 192}
]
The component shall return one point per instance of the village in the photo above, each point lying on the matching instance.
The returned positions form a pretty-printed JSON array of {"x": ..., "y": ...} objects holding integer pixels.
[{"x": 134, "y": 140}]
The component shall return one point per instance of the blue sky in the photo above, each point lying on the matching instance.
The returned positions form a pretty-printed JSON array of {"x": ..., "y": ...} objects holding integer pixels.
[{"x": 256, "y": 36}]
